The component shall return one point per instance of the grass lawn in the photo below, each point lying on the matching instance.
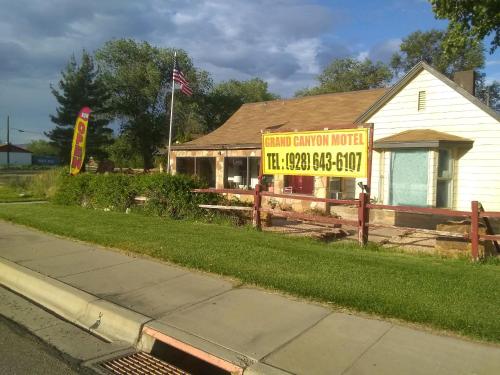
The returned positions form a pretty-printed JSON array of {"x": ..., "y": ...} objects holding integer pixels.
[
  {"x": 9, "y": 194},
  {"x": 448, "y": 294},
  {"x": 13, "y": 185}
]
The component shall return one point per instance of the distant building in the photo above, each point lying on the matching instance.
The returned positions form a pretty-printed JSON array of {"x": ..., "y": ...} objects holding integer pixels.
[
  {"x": 45, "y": 160},
  {"x": 14, "y": 154}
]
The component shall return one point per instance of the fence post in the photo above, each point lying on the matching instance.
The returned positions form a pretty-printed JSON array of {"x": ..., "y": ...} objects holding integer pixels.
[
  {"x": 257, "y": 203},
  {"x": 363, "y": 217},
  {"x": 474, "y": 230}
]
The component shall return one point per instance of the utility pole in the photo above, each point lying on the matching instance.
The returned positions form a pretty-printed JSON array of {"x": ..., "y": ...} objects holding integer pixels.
[{"x": 8, "y": 141}]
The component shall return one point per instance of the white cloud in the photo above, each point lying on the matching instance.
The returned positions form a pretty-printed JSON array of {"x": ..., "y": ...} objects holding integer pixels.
[
  {"x": 492, "y": 62},
  {"x": 281, "y": 41},
  {"x": 363, "y": 55},
  {"x": 383, "y": 51}
]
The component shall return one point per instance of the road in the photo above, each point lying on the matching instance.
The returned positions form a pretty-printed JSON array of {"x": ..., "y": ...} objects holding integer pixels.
[{"x": 23, "y": 353}]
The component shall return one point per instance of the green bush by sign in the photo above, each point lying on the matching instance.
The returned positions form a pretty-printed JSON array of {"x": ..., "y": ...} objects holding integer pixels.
[{"x": 166, "y": 195}]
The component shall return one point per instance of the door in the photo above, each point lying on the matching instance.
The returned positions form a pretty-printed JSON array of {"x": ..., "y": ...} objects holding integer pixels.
[
  {"x": 409, "y": 175},
  {"x": 300, "y": 184}
]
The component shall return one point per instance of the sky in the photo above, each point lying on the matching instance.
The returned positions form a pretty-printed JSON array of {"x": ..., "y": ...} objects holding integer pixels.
[{"x": 285, "y": 42}]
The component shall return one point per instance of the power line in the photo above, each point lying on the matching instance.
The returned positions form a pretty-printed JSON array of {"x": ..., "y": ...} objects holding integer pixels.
[{"x": 27, "y": 131}]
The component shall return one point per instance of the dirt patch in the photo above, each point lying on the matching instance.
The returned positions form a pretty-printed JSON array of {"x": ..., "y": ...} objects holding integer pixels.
[{"x": 408, "y": 240}]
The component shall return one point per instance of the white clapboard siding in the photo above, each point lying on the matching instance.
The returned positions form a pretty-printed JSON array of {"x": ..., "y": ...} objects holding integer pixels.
[{"x": 478, "y": 170}]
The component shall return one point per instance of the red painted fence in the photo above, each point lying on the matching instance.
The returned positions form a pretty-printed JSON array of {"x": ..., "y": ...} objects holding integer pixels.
[{"x": 364, "y": 206}]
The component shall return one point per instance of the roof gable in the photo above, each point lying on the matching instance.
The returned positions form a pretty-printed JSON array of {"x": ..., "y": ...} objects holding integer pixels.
[{"x": 412, "y": 73}]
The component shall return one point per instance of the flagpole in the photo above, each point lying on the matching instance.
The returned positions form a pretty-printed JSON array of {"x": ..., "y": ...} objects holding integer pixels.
[{"x": 169, "y": 170}]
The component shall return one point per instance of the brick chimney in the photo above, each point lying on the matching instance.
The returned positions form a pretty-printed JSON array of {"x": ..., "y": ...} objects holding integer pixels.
[{"x": 466, "y": 80}]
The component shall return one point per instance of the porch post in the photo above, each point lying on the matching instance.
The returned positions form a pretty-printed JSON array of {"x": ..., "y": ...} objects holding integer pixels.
[
  {"x": 363, "y": 219},
  {"x": 474, "y": 230}
]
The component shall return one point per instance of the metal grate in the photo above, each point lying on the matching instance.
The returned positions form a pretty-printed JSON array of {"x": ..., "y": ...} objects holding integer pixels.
[{"x": 140, "y": 363}]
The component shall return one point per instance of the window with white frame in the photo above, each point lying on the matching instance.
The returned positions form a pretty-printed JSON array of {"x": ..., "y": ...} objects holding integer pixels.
[
  {"x": 410, "y": 182},
  {"x": 444, "y": 184}
]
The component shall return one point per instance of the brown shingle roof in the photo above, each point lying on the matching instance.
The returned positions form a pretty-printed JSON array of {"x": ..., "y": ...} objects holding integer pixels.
[
  {"x": 13, "y": 148},
  {"x": 422, "y": 135},
  {"x": 244, "y": 127},
  {"x": 421, "y": 138}
]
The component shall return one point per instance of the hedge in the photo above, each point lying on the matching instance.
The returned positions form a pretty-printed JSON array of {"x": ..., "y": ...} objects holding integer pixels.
[{"x": 168, "y": 195}]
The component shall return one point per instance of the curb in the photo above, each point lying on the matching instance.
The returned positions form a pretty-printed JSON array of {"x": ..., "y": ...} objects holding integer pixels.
[
  {"x": 102, "y": 318},
  {"x": 260, "y": 368},
  {"x": 109, "y": 321}
]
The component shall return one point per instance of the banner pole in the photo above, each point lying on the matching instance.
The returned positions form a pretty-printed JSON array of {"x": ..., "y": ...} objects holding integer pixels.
[{"x": 169, "y": 171}]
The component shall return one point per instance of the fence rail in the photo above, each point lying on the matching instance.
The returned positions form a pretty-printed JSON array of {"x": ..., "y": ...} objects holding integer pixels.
[
  {"x": 307, "y": 217},
  {"x": 308, "y": 198},
  {"x": 363, "y": 207},
  {"x": 420, "y": 210}
]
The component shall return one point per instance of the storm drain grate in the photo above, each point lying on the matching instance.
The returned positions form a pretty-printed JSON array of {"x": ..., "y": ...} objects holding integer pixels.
[{"x": 140, "y": 363}]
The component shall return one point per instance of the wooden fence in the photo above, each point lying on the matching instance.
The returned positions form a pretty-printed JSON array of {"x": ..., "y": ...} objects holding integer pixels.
[{"x": 363, "y": 206}]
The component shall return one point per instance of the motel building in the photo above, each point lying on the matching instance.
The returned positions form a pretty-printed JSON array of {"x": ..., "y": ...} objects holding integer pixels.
[{"x": 435, "y": 145}]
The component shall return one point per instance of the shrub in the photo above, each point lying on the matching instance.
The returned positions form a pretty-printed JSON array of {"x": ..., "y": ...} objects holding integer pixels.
[
  {"x": 45, "y": 184},
  {"x": 166, "y": 195},
  {"x": 113, "y": 191},
  {"x": 72, "y": 190}
]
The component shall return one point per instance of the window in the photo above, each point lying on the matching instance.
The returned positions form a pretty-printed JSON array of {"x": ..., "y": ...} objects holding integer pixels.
[
  {"x": 422, "y": 99},
  {"x": 335, "y": 187},
  {"x": 241, "y": 173},
  {"x": 408, "y": 184},
  {"x": 299, "y": 184},
  {"x": 410, "y": 181},
  {"x": 204, "y": 168},
  {"x": 444, "y": 179},
  {"x": 185, "y": 166}
]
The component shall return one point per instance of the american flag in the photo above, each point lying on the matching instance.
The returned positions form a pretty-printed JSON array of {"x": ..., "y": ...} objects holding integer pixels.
[{"x": 182, "y": 81}]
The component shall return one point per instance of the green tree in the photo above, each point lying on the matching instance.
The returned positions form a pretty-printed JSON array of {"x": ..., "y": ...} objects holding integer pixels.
[
  {"x": 428, "y": 46},
  {"x": 138, "y": 78},
  {"x": 123, "y": 154},
  {"x": 42, "y": 148},
  {"x": 227, "y": 97},
  {"x": 80, "y": 86},
  {"x": 349, "y": 74},
  {"x": 488, "y": 93},
  {"x": 469, "y": 18}
]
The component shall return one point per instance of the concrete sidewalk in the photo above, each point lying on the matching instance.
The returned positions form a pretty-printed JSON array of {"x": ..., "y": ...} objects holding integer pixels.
[{"x": 257, "y": 330}]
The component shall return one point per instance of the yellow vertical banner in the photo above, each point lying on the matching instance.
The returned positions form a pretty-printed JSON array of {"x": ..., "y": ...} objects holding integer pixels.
[{"x": 79, "y": 141}]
